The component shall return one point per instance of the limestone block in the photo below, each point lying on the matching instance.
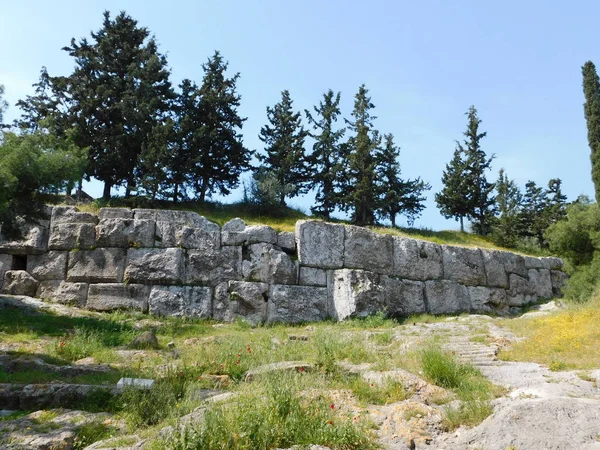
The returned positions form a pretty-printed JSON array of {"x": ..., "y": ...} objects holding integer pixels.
[
  {"x": 294, "y": 304},
  {"x": 514, "y": 263},
  {"x": 69, "y": 214},
  {"x": 5, "y": 264},
  {"x": 268, "y": 264},
  {"x": 540, "y": 282},
  {"x": 115, "y": 213},
  {"x": 155, "y": 266},
  {"x": 519, "y": 292},
  {"x": 365, "y": 249},
  {"x": 555, "y": 263},
  {"x": 63, "y": 292},
  {"x": 559, "y": 279},
  {"x": 186, "y": 230},
  {"x": 180, "y": 301},
  {"x": 248, "y": 301},
  {"x": 403, "y": 297},
  {"x": 112, "y": 296},
  {"x": 532, "y": 262},
  {"x": 69, "y": 236},
  {"x": 310, "y": 276},
  {"x": 286, "y": 240},
  {"x": 495, "y": 270},
  {"x": 320, "y": 244},
  {"x": 355, "y": 293},
  {"x": 19, "y": 282},
  {"x": 222, "y": 306},
  {"x": 102, "y": 265},
  {"x": 211, "y": 267},
  {"x": 236, "y": 232},
  {"x": 125, "y": 233},
  {"x": 34, "y": 242},
  {"x": 446, "y": 297},
  {"x": 463, "y": 265},
  {"x": 417, "y": 260},
  {"x": 48, "y": 266},
  {"x": 486, "y": 300},
  {"x": 144, "y": 214}
]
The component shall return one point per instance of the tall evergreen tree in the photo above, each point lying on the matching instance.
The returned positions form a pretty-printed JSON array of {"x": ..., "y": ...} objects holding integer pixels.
[
  {"x": 453, "y": 200},
  {"x": 397, "y": 196},
  {"x": 506, "y": 229},
  {"x": 533, "y": 220},
  {"x": 3, "y": 104},
  {"x": 591, "y": 108},
  {"x": 326, "y": 155},
  {"x": 284, "y": 148},
  {"x": 556, "y": 201}
]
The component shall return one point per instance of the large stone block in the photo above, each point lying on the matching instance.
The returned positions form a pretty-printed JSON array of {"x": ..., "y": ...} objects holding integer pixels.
[
  {"x": 69, "y": 236},
  {"x": 125, "y": 233},
  {"x": 403, "y": 297},
  {"x": 211, "y": 267},
  {"x": 63, "y": 292},
  {"x": 236, "y": 232},
  {"x": 286, "y": 240},
  {"x": 532, "y": 262},
  {"x": 320, "y": 244},
  {"x": 268, "y": 264},
  {"x": 520, "y": 291},
  {"x": 463, "y": 265},
  {"x": 180, "y": 301},
  {"x": 102, "y": 265},
  {"x": 19, "y": 282},
  {"x": 186, "y": 230},
  {"x": 5, "y": 264},
  {"x": 540, "y": 283},
  {"x": 34, "y": 241},
  {"x": 115, "y": 213},
  {"x": 495, "y": 270},
  {"x": 222, "y": 309},
  {"x": 69, "y": 214},
  {"x": 365, "y": 249},
  {"x": 446, "y": 297},
  {"x": 486, "y": 300},
  {"x": 109, "y": 297},
  {"x": 48, "y": 266},
  {"x": 417, "y": 260},
  {"x": 155, "y": 266},
  {"x": 294, "y": 304},
  {"x": 144, "y": 214},
  {"x": 559, "y": 279},
  {"x": 311, "y": 276},
  {"x": 355, "y": 293},
  {"x": 514, "y": 264},
  {"x": 555, "y": 263},
  {"x": 248, "y": 301}
]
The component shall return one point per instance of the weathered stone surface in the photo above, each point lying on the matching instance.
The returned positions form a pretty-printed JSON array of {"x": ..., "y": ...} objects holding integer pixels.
[
  {"x": 48, "y": 266},
  {"x": 495, "y": 270},
  {"x": 320, "y": 244},
  {"x": 103, "y": 265},
  {"x": 484, "y": 299},
  {"x": 355, "y": 293},
  {"x": 248, "y": 301},
  {"x": 144, "y": 214},
  {"x": 19, "y": 282},
  {"x": 211, "y": 267},
  {"x": 532, "y": 262},
  {"x": 181, "y": 301},
  {"x": 446, "y": 297},
  {"x": 417, "y": 260},
  {"x": 514, "y": 263},
  {"x": 236, "y": 232},
  {"x": 63, "y": 292},
  {"x": 5, "y": 264},
  {"x": 69, "y": 236},
  {"x": 156, "y": 266},
  {"x": 311, "y": 276},
  {"x": 109, "y": 296},
  {"x": 554, "y": 263},
  {"x": 187, "y": 230},
  {"x": 39, "y": 396},
  {"x": 34, "y": 242},
  {"x": 268, "y": 264},
  {"x": 145, "y": 340},
  {"x": 463, "y": 265},
  {"x": 125, "y": 233},
  {"x": 365, "y": 249},
  {"x": 559, "y": 279},
  {"x": 403, "y": 297},
  {"x": 286, "y": 240},
  {"x": 69, "y": 214},
  {"x": 540, "y": 282},
  {"x": 278, "y": 367},
  {"x": 222, "y": 309},
  {"x": 115, "y": 213},
  {"x": 294, "y": 304},
  {"x": 520, "y": 292}
]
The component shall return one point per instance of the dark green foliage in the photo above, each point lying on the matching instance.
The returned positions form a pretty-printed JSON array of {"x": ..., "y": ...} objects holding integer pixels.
[
  {"x": 453, "y": 200},
  {"x": 325, "y": 160},
  {"x": 284, "y": 151},
  {"x": 507, "y": 228},
  {"x": 591, "y": 108},
  {"x": 266, "y": 191},
  {"x": 3, "y": 104},
  {"x": 397, "y": 196}
]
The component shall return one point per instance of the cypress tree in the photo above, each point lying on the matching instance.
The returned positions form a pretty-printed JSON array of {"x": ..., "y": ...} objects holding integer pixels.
[
  {"x": 533, "y": 214},
  {"x": 506, "y": 229},
  {"x": 591, "y": 108},
  {"x": 453, "y": 200}
]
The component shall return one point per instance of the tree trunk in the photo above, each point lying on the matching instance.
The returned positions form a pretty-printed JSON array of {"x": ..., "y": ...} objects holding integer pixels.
[
  {"x": 393, "y": 219},
  {"x": 106, "y": 193},
  {"x": 175, "y": 192},
  {"x": 462, "y": 227}
]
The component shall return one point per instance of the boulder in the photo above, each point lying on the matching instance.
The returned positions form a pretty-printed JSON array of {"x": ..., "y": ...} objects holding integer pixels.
[
  {"x": 559, "y": 279},
  {"x": 34, "y": 241},
  {"x": 155, "y": 266},
  {"x": 486, "y": 300},
  {"x": 495, "y": 271},
  {"x": 69, "y": 236},
  {"x": 286, "y": 240},
  {"x": 311, "y": 276},
  {"x": 211, "y": 267},
  {"x": 112, "y": 296},
  {"x": 19, "y": 282},
  {"x": 63, "y": 292},
  {"x": 186, "y": 230},
  {"x": 69, "y": 214},
  {"x": 294, "y": 304},
  {"x": 463, "y": 265},
  {"x": 125, "y": 233},
  {"x": 365, "y": 249},
  {"x": 417, "y": 260},
  {"x": 236, "y": 232},
  {"x": 355, "y": 293},
  {"x": 115, "y": 213},
  {"x": 540, "y": 282},
  {"x": 102, "y": 265},
  {"x": 146, "y": 340},
  {"x": 446, "y": 297},
  {"x": 5, "y": 264},
  {"x": 267, "y": 264},
  {"x": 48, "y": 266},
  {"x": 180, "y": 301},
  {"x": 403, "y": 297},
  {"x": 320, "y": 244},
  {"x": 248, "y": 301}
]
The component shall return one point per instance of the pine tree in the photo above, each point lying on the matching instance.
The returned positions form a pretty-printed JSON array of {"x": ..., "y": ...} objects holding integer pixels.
[
  {"x": 284, "y": 148},
  {"x": 453, "y": 200},
  {"x": 591, "y": 108},
  {"x": 326, "y": 155},
  {"x": 506, "y": 229},
  {"x": 533, "y": 219},
  {"x": 397, "y": 196},
  {"x": 556, "y": 201}
]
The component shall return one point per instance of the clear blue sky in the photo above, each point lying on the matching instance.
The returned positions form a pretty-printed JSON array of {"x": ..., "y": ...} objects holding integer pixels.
[{"x": 424, "y": 62}]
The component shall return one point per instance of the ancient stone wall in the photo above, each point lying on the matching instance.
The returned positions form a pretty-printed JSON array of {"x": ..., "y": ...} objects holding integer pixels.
[{"x": 178, "y": 263}]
